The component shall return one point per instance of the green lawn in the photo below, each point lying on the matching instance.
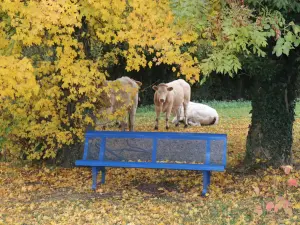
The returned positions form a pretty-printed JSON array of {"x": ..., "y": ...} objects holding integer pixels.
[{"x": 233, "y": 109}]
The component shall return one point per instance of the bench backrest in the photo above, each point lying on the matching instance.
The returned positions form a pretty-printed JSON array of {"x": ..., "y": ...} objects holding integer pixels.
[{"x": 156, "y": 147}]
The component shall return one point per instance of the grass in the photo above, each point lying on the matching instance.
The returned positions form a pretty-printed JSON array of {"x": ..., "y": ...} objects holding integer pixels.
[
  {"x": 41, "y": 195},
  {"x": 232, "y": 109},
  {"x": 226, "y": 110}
]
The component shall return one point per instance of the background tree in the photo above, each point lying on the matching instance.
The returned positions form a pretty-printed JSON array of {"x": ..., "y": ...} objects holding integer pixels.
[
  {"x": 270, "y": 135},
  {"x": 236, "y": 31}
]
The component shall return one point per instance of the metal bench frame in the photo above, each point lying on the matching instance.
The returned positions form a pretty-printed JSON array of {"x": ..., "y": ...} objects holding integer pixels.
[{"x": 101, "y": 163}]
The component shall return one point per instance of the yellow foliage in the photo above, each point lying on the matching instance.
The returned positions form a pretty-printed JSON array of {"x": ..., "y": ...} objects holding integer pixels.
[
  {"x": 50, "y": 87},
  {"x": 148, "y": 27},
  {"x": 17, "y": 78}
]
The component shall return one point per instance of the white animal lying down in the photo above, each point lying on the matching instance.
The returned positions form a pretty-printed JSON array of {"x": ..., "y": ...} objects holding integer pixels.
[{"x": 199, "y": 114}]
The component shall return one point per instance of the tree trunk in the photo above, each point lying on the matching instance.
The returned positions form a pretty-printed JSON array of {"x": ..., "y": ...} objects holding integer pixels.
[
  {"x": 67, "y": 156},
  {"x": 270, "y": 135}
]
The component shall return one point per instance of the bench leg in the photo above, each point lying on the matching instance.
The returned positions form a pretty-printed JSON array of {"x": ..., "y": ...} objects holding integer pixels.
[
  {"x": 103, "y": 175},
  {"x": 95, "y": 171},
  {"x": 206, "y": 181},
  {"x": 94, "y": 174}
]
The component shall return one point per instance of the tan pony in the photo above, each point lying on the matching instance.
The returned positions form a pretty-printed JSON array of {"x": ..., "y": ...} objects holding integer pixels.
[
  {"x": 168, "y": 98},
  {"x": 122, "y": 97}
]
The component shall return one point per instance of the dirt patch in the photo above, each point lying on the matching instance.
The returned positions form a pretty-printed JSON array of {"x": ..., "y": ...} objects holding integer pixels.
[
  {"x": 152, "y": 189},
  {"x": 157, "y": 189}
]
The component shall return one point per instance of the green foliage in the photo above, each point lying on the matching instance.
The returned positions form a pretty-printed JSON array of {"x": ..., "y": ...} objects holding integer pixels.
[
  {"x": 193, "y": 13},
  {"x": 284, "y": 5},
  {"x": 280, "y": 22},
  {"x": 226, "y": 31},
  {"x": 285, "y": 44},
  {"x": 230, "y": 30}
]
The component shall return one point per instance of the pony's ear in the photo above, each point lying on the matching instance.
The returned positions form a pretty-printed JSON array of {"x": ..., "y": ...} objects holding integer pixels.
[
  {"x": 138, "y": 83},
  {"x": 170, "y": 88},
  {"x": 154, "y": 87}
]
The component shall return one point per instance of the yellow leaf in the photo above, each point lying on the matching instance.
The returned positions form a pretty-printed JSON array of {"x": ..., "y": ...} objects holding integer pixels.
[{"x": 296, "y": 206}]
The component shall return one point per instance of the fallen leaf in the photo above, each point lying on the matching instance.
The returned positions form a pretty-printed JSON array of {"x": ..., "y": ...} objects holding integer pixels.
[
  {"x": 258, "y": 210},
  {"x": 287, "y": 169},
  {"x": 269, "y": 206},
  {"x": 277, "y": 207},
  {"x": 295, "y": 217},
  {"x": 279, "y": 198},
  {"x": 288, "y": 211},
  {"x": 256, "y": 190},
  {"x": 100, "y": 190},
  {"x": 286, "y": 204},
  {"x": 293, "y": 182},
  {"x": 23, "y": 189},
  {"x": 296, "y": 206}
]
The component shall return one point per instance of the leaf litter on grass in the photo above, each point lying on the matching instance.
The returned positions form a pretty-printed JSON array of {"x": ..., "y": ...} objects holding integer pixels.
[{"x": 42, "y": 195}]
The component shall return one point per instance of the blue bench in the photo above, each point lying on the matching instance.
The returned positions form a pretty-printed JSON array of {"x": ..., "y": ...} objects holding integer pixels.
[{"x": 154, "y": 150}]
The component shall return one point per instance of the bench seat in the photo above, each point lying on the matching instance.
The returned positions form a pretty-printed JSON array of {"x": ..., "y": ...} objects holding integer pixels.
[
  {"x": 149, "y": 165},
  {"x": 154, "y": 150}
]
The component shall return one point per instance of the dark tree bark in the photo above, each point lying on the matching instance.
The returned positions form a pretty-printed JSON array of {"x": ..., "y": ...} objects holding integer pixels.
[
  {"x": 67, "y": 156},
  {"x": 270, "y": 135}
]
